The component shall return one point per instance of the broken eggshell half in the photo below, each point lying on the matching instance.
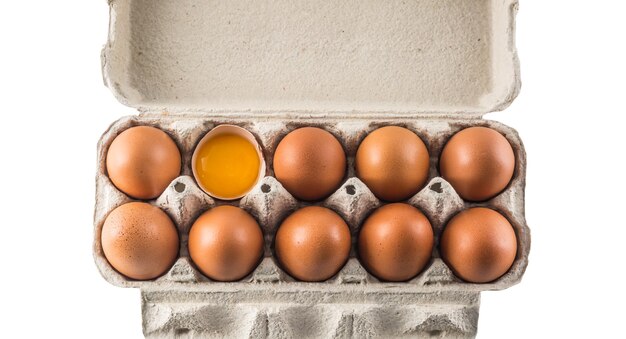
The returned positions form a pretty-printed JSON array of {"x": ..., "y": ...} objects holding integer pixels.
[{"x": 221, "y": 130}]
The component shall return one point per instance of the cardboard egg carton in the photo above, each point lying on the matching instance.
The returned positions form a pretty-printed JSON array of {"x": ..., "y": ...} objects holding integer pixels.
[
  {"x": 270, "y": 203},
  {"x": 349, "y": 67}
]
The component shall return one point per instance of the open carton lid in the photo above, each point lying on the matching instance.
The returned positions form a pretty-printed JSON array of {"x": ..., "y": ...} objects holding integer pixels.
[{"x": 398, "y": 57}]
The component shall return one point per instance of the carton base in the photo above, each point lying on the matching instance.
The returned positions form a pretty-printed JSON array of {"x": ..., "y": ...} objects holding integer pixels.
[{"x": 191, "y": 313}]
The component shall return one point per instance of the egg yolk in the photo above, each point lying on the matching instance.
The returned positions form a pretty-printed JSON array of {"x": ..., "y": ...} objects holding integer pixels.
[{"x": 227, "y": 166}]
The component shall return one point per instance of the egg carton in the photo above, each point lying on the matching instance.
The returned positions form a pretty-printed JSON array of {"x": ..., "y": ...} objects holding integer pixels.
[
  {"x": 270, "y": 294},
  {"x": 349, "y": 67}
]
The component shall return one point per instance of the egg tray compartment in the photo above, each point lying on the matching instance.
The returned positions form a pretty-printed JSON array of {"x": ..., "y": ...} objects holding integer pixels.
[{"x": 270, "y": 203}]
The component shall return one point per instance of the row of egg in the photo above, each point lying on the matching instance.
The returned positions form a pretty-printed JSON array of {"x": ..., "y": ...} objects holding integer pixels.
[
  {"x": 311, "y": 163},
  {"x": 395, "y": 243}
]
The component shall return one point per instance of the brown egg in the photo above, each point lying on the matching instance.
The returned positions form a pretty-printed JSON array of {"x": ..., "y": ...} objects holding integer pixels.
[
  {"x": 479, "y": 245},
  {"x": 139, "y": 240},
  {"x": 142, "y": 161},
  {"x": 226, "y": 243},
  {"x": 478, "y": 162},
  {"x": 396, "y": 242},
  {"x": 313, "y": 244},
  {"x": 310, "y": 163},
  {"x": 393, "y": 162}
]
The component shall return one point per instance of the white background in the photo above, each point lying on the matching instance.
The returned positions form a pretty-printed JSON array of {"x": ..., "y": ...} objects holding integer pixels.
[{"x": 568, "y": 114}]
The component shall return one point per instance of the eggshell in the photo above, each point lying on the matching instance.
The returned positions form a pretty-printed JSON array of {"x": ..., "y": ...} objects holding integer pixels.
[
  {"x": 310, "y": 163},
  {"x": 479, "y": 245},
  {"x": 142, "y": 161},
  {"x": 396, "y": 242},
  {"x": 139, "y": 240},
  {"x": 313, "y": 244},
  {"x": 478, "y": 162},
  {"x": 218, "y": 131},
  {"x": 226, "y": 243},
  {"x": 393, "y": 162}
]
